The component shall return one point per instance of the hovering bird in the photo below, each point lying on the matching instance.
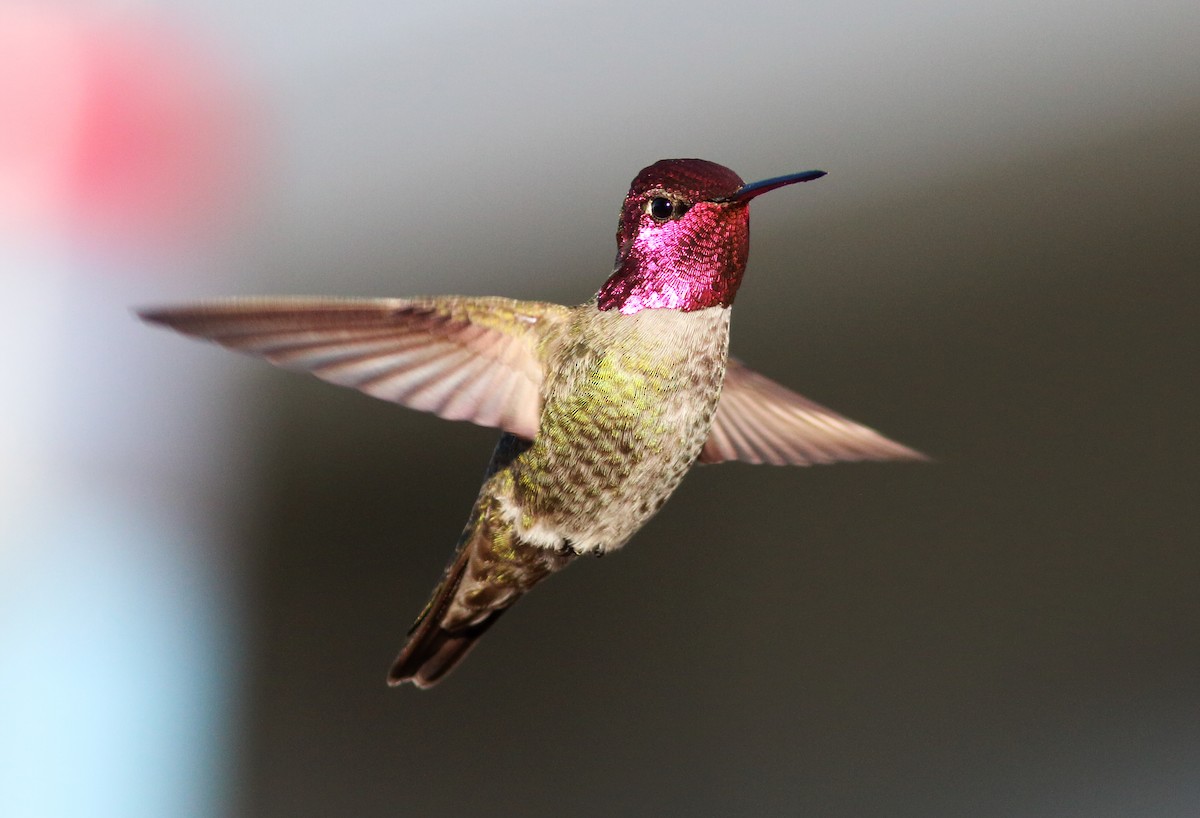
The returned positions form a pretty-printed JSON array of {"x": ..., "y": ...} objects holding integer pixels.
[{"x": 604, "y": 407}]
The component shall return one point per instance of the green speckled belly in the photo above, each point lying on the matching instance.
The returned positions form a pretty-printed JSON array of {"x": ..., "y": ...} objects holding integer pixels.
[{"x": 627, "y": 406}]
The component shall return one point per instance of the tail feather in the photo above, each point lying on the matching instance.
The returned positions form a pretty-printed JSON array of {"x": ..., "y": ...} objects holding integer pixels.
[
  {"x": 426, "y": 660},
  {"x": 491, "y": 570},
  {"x": 433, "y": 651}
]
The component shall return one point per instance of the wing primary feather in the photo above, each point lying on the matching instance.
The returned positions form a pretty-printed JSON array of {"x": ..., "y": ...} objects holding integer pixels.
[
  {"x": 465, "y": 358},
  {"x": 760, "y": 421}
]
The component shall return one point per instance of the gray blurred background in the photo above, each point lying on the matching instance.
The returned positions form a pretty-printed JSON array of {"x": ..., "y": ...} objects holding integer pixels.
[{"x": 1000, "y": 270}]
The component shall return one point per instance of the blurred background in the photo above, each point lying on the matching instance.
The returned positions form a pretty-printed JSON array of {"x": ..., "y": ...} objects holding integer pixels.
[{"x": 206, "y": 564}]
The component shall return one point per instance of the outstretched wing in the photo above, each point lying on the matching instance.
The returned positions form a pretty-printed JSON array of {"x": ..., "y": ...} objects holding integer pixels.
[
  {"x": 461, "y": 358},
  {"x": 760, "y": 421}
]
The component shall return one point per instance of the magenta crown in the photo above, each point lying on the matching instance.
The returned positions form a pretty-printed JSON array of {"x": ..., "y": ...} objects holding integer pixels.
[
  {"x": 683, "y": 237},
  {"x": 694, "y": 179}
]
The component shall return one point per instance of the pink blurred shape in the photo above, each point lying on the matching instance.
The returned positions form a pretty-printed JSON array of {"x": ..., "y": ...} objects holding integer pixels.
[{"x": 125, "y": 132}]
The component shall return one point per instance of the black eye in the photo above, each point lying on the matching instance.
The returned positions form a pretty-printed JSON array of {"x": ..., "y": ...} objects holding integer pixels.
[{"x": 661, "y": 208}]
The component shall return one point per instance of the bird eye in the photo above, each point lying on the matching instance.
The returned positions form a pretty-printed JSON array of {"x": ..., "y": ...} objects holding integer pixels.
[{"x": 660, "y": 208}]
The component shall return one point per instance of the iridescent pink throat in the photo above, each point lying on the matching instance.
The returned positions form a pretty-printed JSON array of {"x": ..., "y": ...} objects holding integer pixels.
[{"x": 690, "y": 263}]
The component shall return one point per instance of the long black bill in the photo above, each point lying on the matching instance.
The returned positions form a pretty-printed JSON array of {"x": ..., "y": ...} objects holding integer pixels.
[{"x": 747, "y": 192}]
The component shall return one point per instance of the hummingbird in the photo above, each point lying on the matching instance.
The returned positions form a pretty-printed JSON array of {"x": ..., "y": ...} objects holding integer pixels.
[{"x": 603, "y": 407}]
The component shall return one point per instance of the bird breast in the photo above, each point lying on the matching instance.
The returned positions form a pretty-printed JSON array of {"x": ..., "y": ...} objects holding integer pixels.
[{"x": 627, "y": 403}]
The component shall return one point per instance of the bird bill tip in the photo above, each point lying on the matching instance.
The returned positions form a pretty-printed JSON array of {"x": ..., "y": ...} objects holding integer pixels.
[{"x": 747, "y": 192}]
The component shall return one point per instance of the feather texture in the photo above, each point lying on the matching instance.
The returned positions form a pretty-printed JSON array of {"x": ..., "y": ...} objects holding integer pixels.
[
  {"x": 760, "y": 421},
  {"x": 460, "y": 358}
]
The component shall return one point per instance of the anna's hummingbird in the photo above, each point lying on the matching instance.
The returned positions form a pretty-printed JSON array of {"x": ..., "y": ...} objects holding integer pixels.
[{"x": 604, "y": 407}]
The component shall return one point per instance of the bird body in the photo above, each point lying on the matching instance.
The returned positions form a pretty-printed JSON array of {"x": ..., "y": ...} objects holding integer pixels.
[
  {"x": 626, "y": 410},
  {"x": 604, "y": 406}
]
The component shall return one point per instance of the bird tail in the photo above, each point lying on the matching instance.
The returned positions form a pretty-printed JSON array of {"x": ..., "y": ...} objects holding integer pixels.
[
  {"x": 432, "y": 650},
  {"x": 491, "y": 570}
]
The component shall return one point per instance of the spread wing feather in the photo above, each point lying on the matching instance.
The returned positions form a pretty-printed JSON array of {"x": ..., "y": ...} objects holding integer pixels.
[
  {"x": 760, "y": 421},
  {"x": 461, "y": 358}
]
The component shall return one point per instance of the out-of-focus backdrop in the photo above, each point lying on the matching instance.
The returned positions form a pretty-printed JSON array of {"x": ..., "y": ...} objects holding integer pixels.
[{"x": 207, "y": 564}]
